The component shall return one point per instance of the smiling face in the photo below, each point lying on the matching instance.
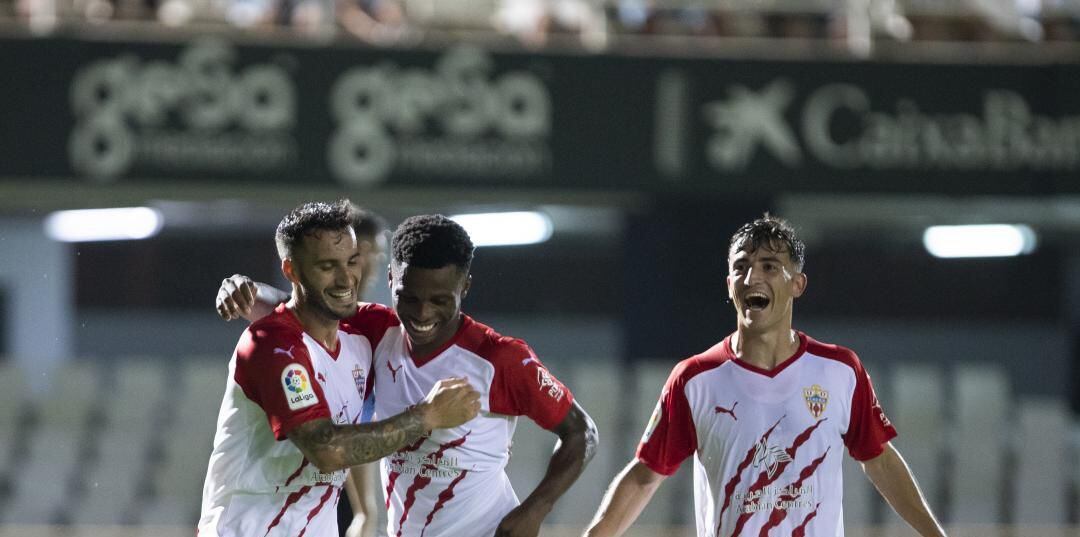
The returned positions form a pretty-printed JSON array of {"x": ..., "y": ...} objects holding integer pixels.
[
  {"x": 428, "y": 303},
  {"x": 325, "y": 270},
  {"x": 763, "y": 284}
]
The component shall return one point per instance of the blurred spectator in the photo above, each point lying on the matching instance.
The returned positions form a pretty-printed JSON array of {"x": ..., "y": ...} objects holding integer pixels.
[
  {"x": 375, "y": 21},
  {"x": 532, "y": 22},
  {"x": 590, "y": 23}
]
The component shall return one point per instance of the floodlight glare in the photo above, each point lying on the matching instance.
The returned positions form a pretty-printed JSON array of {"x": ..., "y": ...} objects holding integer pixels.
[
  {"x": 505, "y": 229},
  {"x": 83, "y": 225},
  {"x": 990, "y": 240}
]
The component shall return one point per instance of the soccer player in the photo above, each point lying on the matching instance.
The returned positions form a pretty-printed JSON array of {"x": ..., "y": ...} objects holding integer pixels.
[
  {"x": 357, "y": 515},
  {"x": 301, "y": 374},
  {"x": 767, "y": 414},
  {"x": 452, "y": 482}
]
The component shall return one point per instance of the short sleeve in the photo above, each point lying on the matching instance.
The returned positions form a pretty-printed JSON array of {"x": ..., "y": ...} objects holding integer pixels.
[
  {"x": 274, "y": 371},
  {"x": 869, "y": 428},
  {"x": 523, "y": 386},
  {"x": 370, "y": 321},
  {"x": 670, "y": 436}
]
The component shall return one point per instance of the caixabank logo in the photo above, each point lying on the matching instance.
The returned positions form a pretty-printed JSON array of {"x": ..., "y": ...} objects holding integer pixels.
[
  {"x": 460, "y": 117},
  {"x": 846, "y": 126},
  {"x": 199, "y": 112}
]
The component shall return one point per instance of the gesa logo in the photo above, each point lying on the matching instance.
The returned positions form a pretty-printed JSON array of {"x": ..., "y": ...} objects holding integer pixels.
[
  {"x": 460, "y": 117},
  {"x": 198, "y": 113}
]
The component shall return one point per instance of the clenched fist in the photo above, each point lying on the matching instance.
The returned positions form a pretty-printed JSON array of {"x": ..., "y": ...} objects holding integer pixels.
[{"x": 450, "y": 403}]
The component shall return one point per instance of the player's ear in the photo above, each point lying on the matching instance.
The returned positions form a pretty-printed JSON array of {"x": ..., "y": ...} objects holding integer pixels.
[
  {"x": 466, "y": 286},
  {"x": 289, "y": 270},
  {"x": 799, "y": 285}
]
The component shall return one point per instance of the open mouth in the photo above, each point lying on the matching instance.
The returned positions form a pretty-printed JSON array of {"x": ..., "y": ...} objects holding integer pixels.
[
  {"x": 342, "y": 295},
  {"x": 756, "y": 301},
  {"x": 422, "y": 329}
]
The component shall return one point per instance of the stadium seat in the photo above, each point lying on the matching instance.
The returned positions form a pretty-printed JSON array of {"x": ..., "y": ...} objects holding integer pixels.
[
  {"x": 186, "y": 445},
  {"x": 915, "y": 406},
  {"x": 132, "y": 416},
  {"x": 672, "y": 504},
  {"x": 50, "y": 474},
  {"x": 983, "y": 406},
  {"x": 596, "y": 385},
  {"x": 1040, "y": 487},
  {"x": 10, "y": 416}
]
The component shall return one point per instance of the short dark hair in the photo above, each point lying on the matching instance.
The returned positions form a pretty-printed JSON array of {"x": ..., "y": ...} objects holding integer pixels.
[
  {"x": 309, "y": 218},
  {"x": 366, "y": 223},
  {"x": 772, "y": 232},
  {"x": 432, "y": 241}
]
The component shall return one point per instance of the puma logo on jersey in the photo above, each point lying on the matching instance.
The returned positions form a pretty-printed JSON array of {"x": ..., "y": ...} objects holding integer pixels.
[
  {"x": 769, "y": 457},
  {"x": 285, "y": 352},
  {"x": 393, "y": 372},
  {"x": 319, "y": 375},
  {"x": 722, "y": 410}
]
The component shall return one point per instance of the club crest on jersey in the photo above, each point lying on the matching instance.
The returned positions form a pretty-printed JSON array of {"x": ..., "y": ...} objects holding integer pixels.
[
  {"x": 296, "y": 383},
  {"x": 360, "y": 378},
  {"x": 816, "y": 400},
  {"x": 548, "y": 383}
]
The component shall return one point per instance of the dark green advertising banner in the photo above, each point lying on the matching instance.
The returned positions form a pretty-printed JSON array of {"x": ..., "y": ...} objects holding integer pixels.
[{"x": 213, "y": 111}]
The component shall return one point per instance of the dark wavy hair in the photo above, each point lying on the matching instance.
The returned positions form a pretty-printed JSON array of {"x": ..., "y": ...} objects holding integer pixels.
[
  {"x": 309, "y": 218},
  {"x": 432, "y": 241},
  {"x": 772, "y": 232}
]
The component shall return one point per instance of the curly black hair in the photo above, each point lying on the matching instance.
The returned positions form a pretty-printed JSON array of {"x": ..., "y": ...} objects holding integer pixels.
[
  {"x": 308, "y": 218},
  {"x": 773, "y": 232},
  {"x": 432, "y": 241}
]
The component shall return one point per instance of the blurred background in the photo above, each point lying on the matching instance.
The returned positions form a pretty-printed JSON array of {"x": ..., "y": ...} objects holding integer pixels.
[{"x": 638, "y": 134}]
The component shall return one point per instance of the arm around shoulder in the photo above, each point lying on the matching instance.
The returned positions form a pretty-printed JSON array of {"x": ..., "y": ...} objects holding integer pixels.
[{"x": 240, "y": 296}]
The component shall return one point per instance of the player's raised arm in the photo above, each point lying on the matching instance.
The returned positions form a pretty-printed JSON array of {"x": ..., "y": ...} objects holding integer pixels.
[
  {"x": 331, "y": 447},
  {"x": 240, "y": 296},
  {"x": 624, "y": 500},
  {"x": 577, "y": 443},
  {"x": 893, "y": 479}
]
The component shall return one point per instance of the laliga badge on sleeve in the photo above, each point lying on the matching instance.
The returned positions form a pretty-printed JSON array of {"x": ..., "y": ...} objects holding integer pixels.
[{"x": 296, "y": 383}]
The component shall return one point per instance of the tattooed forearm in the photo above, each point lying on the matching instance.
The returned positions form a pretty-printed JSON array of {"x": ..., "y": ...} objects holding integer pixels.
[
  {"x": 333, "y": 447},
  {"x": 373, "y": 441},
  {"x": 592, "y": 440}
]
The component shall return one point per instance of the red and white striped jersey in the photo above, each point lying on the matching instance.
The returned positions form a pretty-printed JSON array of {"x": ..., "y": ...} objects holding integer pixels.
[
  {"x": 767, "y": 445},
  {"x": 452, "y": 483},
  {"x": 258, "y": 482}
]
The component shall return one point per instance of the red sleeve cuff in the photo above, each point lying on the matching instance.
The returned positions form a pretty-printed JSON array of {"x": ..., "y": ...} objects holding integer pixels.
[
  {"x": 657, "y": 467},
  {"x": 874, "y": 451},
  {"x": 552, "y": 420},
  {"x": 282, "y": 430}
]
